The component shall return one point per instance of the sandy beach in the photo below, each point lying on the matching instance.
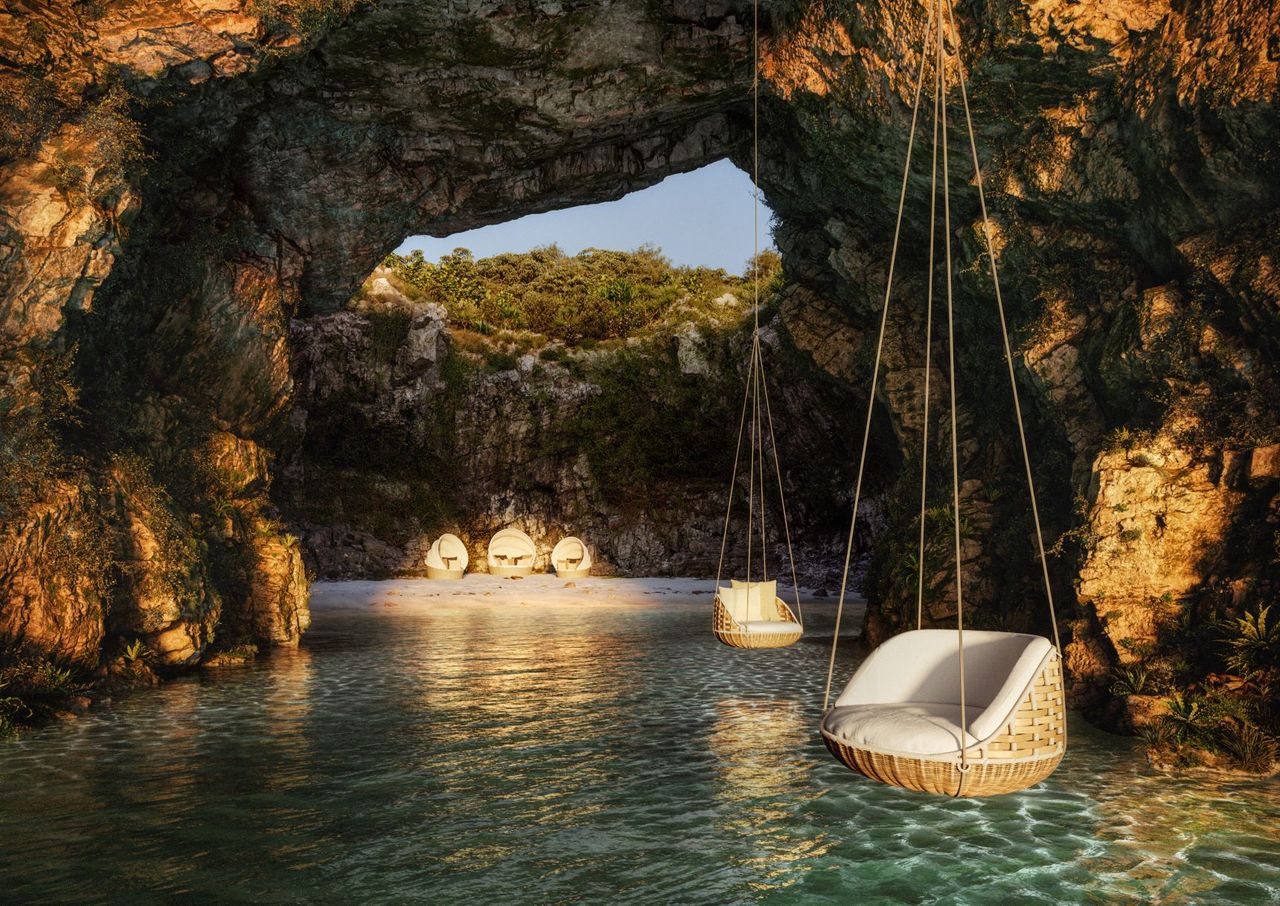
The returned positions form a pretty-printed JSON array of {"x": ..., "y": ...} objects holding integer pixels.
[{"x": 540, "y": 590}]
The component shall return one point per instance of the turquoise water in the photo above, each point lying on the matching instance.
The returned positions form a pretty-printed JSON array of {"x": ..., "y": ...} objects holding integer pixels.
[{"x": 571, "y": 755}]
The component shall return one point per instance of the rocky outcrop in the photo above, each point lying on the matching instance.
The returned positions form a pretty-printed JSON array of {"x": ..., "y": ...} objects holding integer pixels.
[
  {"x": 53, "y": 596},
  {"x": 179, "y": 179},
  {"x": 394, "y": 443}
]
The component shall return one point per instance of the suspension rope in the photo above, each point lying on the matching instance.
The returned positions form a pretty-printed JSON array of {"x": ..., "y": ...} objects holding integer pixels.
[
  {"x": 764, "y": 556},
  {"x": 1008, "y": 353},
  {"x": 757, "y": 372},
  {"x": 756, "y": 414},
  {"x": 755, "y": 164},
  {"x": 786, "y": 528},
  {"x": 875, "y": 371},
  {"x": 928, "y": 348},
  {"x": 733, "y": 480},
  {"x": 751, "y": 474},
  {"x": 951, "y": 354}
]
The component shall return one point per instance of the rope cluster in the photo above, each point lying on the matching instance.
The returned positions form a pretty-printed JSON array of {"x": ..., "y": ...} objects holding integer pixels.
[
  {"x": 941, "y": 26},
  {"x": 755, "y": 402}
]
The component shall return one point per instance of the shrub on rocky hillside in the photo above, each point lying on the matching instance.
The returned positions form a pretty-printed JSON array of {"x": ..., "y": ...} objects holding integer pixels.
[{"x": 592, "y": 296}]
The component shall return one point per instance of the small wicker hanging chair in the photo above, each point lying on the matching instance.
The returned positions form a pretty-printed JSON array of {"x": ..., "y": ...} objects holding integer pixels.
[
  {"x": 447, "y": 558},
  {"x": 749, "y": 613},
  {"x": 952, "y": 712},
  {"x": 570, "y": 558}
]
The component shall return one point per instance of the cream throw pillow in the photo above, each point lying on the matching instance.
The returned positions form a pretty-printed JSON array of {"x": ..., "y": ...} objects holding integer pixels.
[{"x": 759, "y": 605}]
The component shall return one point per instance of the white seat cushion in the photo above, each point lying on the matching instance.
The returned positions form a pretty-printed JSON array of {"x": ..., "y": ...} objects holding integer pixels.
[
  {"x": 911, "y": 729},
  {"x": 770, "y": 626}
]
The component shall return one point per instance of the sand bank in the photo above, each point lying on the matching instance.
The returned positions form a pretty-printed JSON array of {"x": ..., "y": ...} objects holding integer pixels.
[{"x": 480, "y": 589}]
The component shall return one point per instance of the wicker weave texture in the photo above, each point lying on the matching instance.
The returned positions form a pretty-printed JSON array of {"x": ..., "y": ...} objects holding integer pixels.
[
  {"x": 573, "y": 573},
  {"x": 1027, "y": 751},
  {"x": 727, "y": 631},
  {"x": 435, "y": 572},
  {"x": 507, "y": 571}
]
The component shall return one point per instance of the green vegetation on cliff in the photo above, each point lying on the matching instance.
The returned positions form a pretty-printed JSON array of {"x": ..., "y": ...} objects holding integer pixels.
[{"x": 592, "y": 296}]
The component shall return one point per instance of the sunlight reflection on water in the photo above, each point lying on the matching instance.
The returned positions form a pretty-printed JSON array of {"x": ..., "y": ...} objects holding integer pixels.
[{"x": 572, "y": 754}]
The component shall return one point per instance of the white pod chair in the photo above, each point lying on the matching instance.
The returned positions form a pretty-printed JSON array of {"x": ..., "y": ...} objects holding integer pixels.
[{"x": 447, "y": 558}]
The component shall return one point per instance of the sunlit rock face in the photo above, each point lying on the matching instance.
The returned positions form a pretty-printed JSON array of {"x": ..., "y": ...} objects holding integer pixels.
[
  {"x": 184, "y": 180},
  {"x": 1127, "y": 154},
  {"x": 180, "y": 179}
]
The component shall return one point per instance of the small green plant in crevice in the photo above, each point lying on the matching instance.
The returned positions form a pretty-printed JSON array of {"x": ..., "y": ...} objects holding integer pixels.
[
  {"x": 1249, "y": 746},
  {"x": 1159, "y": 735},
  {"x": 306, "y": 17},
  {"x": 1124, "y": 439},
  {"x": 388, "y": 329},
  {"x": 1139, "y": 648},
  {"x": 13, "y": 711},
  {"x": 1134, "y": 679},
  {"x": 178, "y": 564},
  {"x": 1252, "y": 642},
  {"x": 29, "y": 110},
  {"x": 32, "y": 454},
  {"x": 498, "y": 362},
  {"x": 1185, "y": 716},
  {"x": 33, "y": 687},
  {"x": 113, "y": 155},
  {"x": 136, "y": 651}
]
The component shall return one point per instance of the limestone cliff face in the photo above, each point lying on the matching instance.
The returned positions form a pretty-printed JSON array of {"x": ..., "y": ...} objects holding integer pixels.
[
  {"x": 180, "y": 181},
  {"x": 628, "y": 446},
  {"x": 1133, "y": 194}
]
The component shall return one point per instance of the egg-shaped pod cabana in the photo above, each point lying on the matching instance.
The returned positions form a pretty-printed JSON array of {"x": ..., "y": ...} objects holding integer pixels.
[
  {"x": 570, "y": 558},
  {"x": 511, "y": 553},
  {"x": 447, "y": 558}
]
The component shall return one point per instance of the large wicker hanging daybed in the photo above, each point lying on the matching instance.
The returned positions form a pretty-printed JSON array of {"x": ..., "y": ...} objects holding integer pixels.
[
  {"x": 748, "y": 613},
  {"x": 447, "y": 558},
  {"x": 570, "y": 558},
  {"x": 954, "y": 712},
  {"x": 899, "y": 719}
]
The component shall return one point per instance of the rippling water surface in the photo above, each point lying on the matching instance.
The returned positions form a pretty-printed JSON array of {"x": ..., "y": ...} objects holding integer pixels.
[{"x": 568, "y": 754}]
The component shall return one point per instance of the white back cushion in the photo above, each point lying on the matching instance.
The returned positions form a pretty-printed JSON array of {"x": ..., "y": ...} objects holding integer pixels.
[
  {"x": 924, "y": 666},
  {"x": 512, "y": 546},
  {"x": 734, "y": 600},
  {"x": 759, "y": 601}
]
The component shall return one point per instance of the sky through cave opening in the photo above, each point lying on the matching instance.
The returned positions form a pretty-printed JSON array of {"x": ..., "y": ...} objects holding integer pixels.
[{"x": 698, "y": 219}]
